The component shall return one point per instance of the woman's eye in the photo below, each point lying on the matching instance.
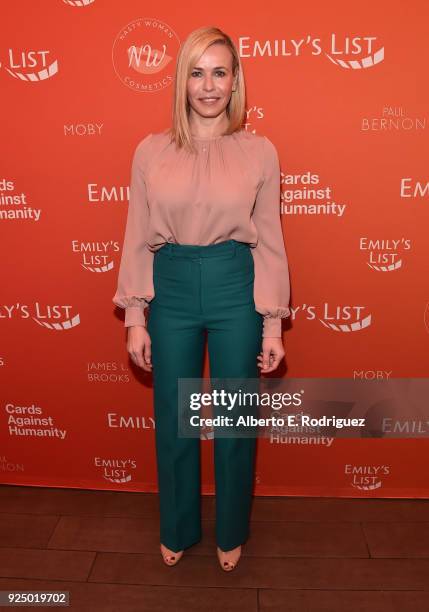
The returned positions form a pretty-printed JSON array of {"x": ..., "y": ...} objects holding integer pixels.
[{"x": 218, "y": 73}]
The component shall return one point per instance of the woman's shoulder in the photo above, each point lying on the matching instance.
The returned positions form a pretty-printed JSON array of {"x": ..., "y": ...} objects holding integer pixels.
[
  {"x": 258, "y": 145},
  {"x": 246, "y": 136},
  {"x": 149, "y": 145},
  {"x": 162, "y": 136},
  {"x": 259, "y": 141},
  {"x": 151, "y": 139}
]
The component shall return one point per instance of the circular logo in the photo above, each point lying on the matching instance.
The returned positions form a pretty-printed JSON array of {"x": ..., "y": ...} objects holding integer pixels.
[{"x": 143, "y": 54}]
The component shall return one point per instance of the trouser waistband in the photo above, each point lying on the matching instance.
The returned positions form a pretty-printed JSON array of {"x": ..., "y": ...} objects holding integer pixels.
[{"x": 197, "y": 251}]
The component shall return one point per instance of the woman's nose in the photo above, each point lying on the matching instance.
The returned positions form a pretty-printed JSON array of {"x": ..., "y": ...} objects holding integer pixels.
[{"x": 208, "y": 83}]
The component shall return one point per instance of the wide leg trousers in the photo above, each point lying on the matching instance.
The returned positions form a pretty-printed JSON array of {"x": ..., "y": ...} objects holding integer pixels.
[{"x": 199, "y": 290}]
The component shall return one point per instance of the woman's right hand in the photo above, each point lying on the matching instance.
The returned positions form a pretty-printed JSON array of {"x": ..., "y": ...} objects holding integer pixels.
[{"x": 139, "y": 346}]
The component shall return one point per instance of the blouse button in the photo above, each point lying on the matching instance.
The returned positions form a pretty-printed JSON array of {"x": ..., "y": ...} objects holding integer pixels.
[{"x": 204, "y": 149}]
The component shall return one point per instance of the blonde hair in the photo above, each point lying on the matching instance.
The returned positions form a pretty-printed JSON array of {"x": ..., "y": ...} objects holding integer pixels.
[{"x": 194, "y": 46}]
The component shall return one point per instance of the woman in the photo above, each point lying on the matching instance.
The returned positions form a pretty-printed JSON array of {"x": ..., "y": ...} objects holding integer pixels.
[{"x": 204, "y": 248}]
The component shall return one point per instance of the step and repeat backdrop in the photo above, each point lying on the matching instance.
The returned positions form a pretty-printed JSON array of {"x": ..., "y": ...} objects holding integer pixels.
[{"x": 342, "y": 91}]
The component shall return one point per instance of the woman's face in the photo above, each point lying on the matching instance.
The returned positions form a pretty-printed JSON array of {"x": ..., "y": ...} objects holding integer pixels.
[{"x": 211, "y": 82}]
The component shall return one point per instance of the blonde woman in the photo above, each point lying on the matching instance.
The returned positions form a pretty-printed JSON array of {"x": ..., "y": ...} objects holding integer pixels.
[{"x": 204, "y": 250}]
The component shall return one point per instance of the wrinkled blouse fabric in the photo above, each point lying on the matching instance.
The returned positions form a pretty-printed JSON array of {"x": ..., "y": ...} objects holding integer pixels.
[{"x": 229, "y": 189}]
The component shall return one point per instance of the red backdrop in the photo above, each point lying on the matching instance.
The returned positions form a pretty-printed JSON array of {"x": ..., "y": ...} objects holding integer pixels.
[{"x": 342, "y": 92}]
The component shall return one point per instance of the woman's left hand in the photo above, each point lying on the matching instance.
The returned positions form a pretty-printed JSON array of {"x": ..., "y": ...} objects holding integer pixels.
[{"x": 271, "y": 355}]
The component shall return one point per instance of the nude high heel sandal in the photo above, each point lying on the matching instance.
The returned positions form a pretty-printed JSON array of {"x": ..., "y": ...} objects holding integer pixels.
[
  {"x": 170, "y": 557},
  {"x": 226, "y": 564}
]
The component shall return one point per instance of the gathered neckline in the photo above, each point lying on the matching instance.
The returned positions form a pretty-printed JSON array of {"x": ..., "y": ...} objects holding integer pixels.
[
  {"x": 208, "y": 137},
  {"x": 215, "y": 138}
]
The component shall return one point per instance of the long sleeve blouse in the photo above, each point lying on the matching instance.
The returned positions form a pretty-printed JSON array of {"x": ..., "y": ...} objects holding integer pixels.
[{"x": 229, "y": 189}]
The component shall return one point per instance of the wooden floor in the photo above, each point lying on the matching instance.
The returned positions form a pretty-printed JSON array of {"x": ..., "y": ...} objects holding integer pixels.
[{"x": 317, "y": 555}]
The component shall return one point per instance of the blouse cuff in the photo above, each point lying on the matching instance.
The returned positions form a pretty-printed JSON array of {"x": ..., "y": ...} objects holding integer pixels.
[
  {"x": 272, "y": 327},
  {"x": 273, "y": 322},
  {"x": 134, "y": 315}
]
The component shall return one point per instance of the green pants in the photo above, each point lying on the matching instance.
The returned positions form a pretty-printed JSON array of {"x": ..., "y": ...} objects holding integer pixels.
[{"x": 199, "y": 291}]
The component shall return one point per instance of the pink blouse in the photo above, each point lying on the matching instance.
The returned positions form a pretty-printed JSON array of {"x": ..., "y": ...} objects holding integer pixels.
[{"x": 229, "y": 189}]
